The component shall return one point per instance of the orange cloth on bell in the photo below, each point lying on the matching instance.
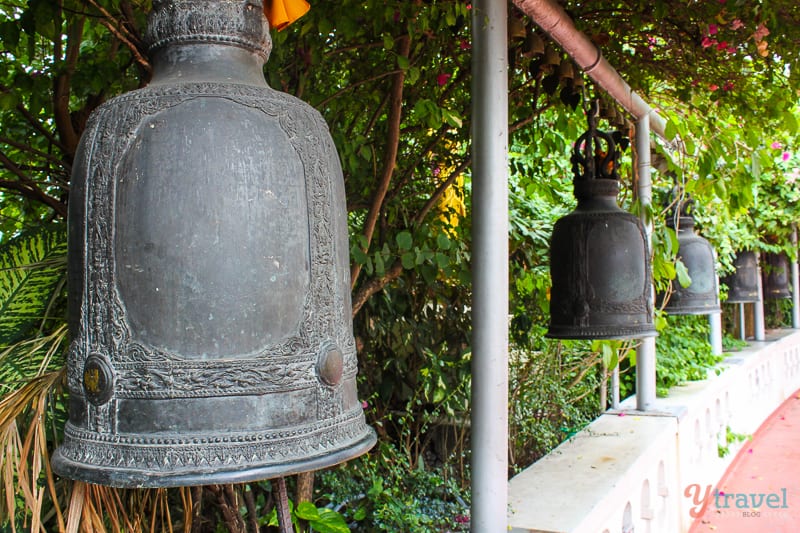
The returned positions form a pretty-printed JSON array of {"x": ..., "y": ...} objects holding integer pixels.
[{"x": 281, "y": 13}]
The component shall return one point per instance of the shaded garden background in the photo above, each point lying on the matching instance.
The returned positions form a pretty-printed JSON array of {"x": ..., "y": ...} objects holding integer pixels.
[{"x": 393, "y": 81}]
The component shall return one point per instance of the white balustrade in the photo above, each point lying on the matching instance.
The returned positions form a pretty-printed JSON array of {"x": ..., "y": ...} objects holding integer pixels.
[{"x": 651, "y": 471}]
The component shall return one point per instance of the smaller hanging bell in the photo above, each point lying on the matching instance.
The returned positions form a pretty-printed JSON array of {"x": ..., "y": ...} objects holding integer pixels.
[
  {"x": 599, "y": 263},
  {"x": 701, "y": 297},
  {"x": 551, "y": 57},
  {"x": 743, "y": 281},
  {"x": 516, "y": 29},
  {"x": 774, "y": 274},
  {"x": 565, "y": 70},
  {"x": 534, "y": 45}
]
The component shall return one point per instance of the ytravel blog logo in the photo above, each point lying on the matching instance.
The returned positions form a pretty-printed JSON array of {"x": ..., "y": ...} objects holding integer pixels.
[{"x": 750, "y": 504}]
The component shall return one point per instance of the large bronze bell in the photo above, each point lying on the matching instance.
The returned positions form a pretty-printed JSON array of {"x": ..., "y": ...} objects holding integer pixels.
[
  {"x": 599, "y": 263},
  {"x": 209, "y": 273},
  {"x": 701, "y": 297},
  {"x": 743, "y": 281},
  {"x": 775, "y": 276}
]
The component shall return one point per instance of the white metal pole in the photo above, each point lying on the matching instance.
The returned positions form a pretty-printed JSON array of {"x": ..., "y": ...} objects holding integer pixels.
[
  {"x": 615, "y": 388},
  {"x": 758, "y": 312},
  {"x": 742, "y": 323},
  {"x": 795, "y": 283},
  {"x": 489, "y": 410},
  {"x": 646, "y": 353}
]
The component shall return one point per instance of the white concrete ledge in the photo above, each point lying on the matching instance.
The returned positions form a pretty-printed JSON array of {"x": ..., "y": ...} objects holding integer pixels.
[{"x": 629, "y": 470}]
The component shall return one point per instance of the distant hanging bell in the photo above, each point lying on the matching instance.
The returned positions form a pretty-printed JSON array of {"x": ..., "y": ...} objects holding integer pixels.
[
  {"x": 209, "y": 271},
  {"x": 534, "y": 45},
  {"x": 701, "y": 297},
  {"x": 599, "y": 263},
  {"x": 743, "y": 281},
  {"x": 775, "y": 276}
]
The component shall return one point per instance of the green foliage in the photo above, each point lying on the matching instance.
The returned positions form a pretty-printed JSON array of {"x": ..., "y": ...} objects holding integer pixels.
[
  {"x": 684, "y": 353},
  {"x": 552, "y": 395},
  {"x": 34, "y": 267},
  {"x": 319, "y": 519},
  {"x": 382, "y": 491}
]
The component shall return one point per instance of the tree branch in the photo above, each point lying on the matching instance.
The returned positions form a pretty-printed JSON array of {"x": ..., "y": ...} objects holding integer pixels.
[
  {"x": 390, "y": 155},
  {"x": 61, "y": 86},
  {"x": 28, "y": 187},
  {"x": 131, "y": 40},
  {"x": 375, "y": 285}
]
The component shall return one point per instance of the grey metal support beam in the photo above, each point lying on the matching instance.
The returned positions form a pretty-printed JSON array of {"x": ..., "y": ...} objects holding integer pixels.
[
  {"x": 715, "y": 333},
  {"x": 795, "y": 283},
  {"x": 646, "y": 353},
  {"x": 758, "y": 312},
  {"x": 489, "y": 412}
]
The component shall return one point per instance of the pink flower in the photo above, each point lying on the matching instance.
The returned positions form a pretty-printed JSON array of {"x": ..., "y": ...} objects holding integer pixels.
[
  {"x": 441, "y": 79},
  {"x": 712, "y": 29},
  {"x": 731, "y": 49},
  {"x": 786, "y": 156},
  {"x": 713, "y": 87},
  {"x": 728, "y": 86},
  {"x": 737, "y": 24},
  {"x": 465, "y": 44},
  {"x": 761, "y": 32},
  {"x": 708, "y": 41},
  {"x": 364, "y": 404},
  {"x": 776, "y": 145},
  {"x": 723, "y": 45}
]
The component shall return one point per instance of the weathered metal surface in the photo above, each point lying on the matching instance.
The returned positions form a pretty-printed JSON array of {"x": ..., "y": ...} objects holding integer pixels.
[
  {"x": 775, "y": 276},
  {"x": 209, "y": 272},
  {"x": 599, "y": 263},
  {"x": 743, "y": 282},
  {"x": 701, "y": 297}
]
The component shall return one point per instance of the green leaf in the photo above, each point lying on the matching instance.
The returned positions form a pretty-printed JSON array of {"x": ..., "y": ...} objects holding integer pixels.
[
  {"x": 404, "y": 240},
  {"x": 307, "y": 511},
  {"x": 412, "y": 76},
  {"x": 31, "y": 268},
  {"x": 360, "y": 514},
  {"x": 755, "y": 165},
  {"x": 329, "y": 522},
  {"x": 609, "y": 356},
  {"x": 407, "y": 259},
  {"x": 358, "y": 254},
  {"x": 443, "y": 241},
  {"x": 682, "y": 274},
  {"x": 670, "y": 130},
  {"x": 380, "y": 267},
  {"x": 790, "y": 121}
]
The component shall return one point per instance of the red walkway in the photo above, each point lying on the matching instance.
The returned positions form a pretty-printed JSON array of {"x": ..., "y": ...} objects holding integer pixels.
[{"x": 760, "y": 491}]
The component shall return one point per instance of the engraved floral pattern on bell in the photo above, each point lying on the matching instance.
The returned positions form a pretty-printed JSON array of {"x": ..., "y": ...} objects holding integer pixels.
[{"x": 209, "y": 269}]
